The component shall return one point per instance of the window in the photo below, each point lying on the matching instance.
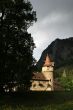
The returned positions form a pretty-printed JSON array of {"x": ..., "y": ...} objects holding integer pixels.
[{"x": 34, "y": 85}]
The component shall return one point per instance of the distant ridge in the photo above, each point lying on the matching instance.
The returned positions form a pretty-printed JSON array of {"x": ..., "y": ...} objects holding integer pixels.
[{"x": 61, "y": 51}]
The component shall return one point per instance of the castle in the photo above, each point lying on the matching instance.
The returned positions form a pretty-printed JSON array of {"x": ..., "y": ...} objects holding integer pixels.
[{"x": 44, "y": 80}]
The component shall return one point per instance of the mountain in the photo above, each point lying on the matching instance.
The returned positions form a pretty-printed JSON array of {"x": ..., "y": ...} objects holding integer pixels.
[{"x": 61, "y": 52}]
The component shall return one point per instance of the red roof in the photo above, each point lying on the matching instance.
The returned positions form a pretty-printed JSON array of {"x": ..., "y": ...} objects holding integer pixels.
[{"x": 47, "y": 61}]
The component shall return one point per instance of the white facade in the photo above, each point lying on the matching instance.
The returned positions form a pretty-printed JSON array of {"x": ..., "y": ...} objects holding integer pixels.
[{"x": 48, "y": 73}]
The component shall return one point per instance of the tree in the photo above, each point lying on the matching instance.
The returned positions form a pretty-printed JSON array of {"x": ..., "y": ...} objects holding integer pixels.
[
  {"x": 16, "y": 44},
  {"x": 67, "y": 82}
]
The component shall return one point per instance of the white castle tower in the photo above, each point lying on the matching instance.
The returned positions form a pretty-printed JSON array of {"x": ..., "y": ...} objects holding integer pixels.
[{"x": 47, "y": 71}]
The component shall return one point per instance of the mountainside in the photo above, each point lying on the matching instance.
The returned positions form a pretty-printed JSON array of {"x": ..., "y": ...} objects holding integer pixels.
[{"x": 61, "y": 51}]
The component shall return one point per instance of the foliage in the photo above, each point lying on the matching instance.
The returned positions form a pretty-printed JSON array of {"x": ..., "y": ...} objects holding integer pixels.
[
  {"x": 67, "y": 82},
  {"x": 65, "y": 76},
  {"x": 16, "y": 44}
]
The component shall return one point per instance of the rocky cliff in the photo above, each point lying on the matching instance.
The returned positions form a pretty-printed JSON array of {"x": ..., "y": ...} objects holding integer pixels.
[{"x": 61, "y": 51}]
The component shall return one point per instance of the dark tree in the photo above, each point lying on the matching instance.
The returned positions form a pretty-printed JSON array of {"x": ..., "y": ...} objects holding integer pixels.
[{"x": 16, "y": 44}]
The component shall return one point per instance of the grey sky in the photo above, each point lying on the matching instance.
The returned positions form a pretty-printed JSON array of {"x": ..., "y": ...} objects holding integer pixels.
[{"x": 54, "y": 20}]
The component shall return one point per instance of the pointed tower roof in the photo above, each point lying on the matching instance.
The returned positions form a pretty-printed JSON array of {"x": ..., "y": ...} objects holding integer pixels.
[{"x": 47, "y": 61}]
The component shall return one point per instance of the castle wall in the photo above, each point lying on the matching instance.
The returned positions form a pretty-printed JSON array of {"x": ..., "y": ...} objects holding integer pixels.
[
  {"x": 40, "y": 86},
  {"x": 49, "y": 76}
]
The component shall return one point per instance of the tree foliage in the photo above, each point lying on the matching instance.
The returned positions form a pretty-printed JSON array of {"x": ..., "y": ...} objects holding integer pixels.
[
  {"x": 67, "y": 82},
  {"x": 16, "y": 44}
]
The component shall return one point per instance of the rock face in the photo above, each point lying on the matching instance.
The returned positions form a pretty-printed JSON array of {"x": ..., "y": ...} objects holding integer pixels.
[{"x": 60, "y": 50}]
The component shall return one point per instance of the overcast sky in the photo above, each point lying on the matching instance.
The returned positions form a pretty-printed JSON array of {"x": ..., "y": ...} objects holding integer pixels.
[{"x": 54, "y": 20}]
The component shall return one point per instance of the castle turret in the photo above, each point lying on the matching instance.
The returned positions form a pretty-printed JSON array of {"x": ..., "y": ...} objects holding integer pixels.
[{"x": 47, "y": 70}]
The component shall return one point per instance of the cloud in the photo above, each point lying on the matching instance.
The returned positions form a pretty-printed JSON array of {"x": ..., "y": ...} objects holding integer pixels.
[
  {"x": 45, "y": 7},
  {"x": 55, "y": 20}
]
